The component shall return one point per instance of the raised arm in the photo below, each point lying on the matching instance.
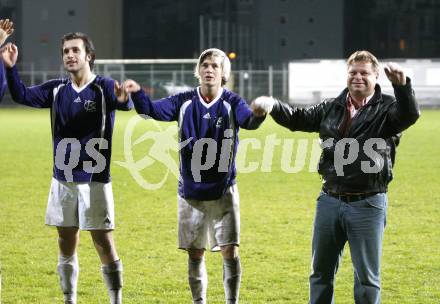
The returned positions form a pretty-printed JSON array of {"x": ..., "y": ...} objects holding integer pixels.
[
  {"x": 37, "y": 96},
  {"x": 6, "y": 30},
  {"x": 165, "y": 109},
  {"x": 2, "y": 80},
  {"x": 405, "y": 110}
]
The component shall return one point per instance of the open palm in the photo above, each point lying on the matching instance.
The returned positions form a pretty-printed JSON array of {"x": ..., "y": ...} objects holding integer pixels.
[
  {"x": 9, "y": 54},
  {"x": 6, "y": 29}
]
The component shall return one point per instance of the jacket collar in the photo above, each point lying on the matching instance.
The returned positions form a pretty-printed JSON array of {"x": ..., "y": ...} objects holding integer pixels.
[{"x": 377, "y": 97}]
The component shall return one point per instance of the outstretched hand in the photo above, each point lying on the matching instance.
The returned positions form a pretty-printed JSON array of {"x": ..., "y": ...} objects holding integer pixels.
[
  {"x": 6, "y": 29},
  {"x": 9, "y": 53},
  {"x": 122, "y": 91},
  {"x": 131, "y": 86},
  {"x": 262, "y": 105},
  {"x": 395, "y": 74}
]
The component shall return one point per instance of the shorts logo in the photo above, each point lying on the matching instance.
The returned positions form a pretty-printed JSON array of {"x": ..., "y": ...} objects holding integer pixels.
[{"x": 90, "y": 106}]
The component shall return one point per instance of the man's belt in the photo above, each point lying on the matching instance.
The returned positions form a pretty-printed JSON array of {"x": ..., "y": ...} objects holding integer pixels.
[{"x": 350, "y": 197}]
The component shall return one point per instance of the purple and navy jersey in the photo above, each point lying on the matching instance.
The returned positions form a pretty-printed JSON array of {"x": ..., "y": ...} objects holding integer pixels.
[
  {"x": 208, "y": 131},
  {"x": 2, "y": 80},
  {"x": 82, "y": 123}
]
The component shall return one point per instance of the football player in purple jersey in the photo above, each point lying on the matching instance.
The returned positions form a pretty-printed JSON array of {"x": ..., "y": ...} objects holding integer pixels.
[
  {"x": 82, "y": 110},
  {"x": 209, "y": 118}
]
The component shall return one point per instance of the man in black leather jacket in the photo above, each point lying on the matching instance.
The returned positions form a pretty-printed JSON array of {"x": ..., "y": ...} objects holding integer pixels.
[{"x": 359, "y": 130}]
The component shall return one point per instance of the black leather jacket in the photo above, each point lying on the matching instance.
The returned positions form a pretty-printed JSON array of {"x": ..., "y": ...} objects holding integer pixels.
[{"x": 376, "y": 125}]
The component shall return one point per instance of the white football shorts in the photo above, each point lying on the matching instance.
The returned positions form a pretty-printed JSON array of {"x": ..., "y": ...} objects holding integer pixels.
[
  {"x": 89, "y": 206},
  {"x": 209, "y": 224}
]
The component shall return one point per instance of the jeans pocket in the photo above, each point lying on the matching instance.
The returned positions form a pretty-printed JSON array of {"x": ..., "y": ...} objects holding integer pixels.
[
  {"x": 377, "y": 201},
  {"x": 321, "y": 194}
]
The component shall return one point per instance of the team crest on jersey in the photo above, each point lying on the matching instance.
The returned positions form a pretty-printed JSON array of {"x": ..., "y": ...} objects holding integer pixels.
[
  {"x": 90, "y": 106},
  {"x": 77, "y": 100},
  {"x": 219, "y": 122}
]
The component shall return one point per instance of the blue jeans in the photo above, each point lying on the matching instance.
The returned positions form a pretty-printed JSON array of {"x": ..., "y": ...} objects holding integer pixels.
[{"x": 362, "y": 224}]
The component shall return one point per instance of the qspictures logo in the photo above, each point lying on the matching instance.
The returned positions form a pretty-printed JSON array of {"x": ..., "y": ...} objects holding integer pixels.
[
  {"x": 163, "y": 147},
  {"x": 164, "y": 143}
]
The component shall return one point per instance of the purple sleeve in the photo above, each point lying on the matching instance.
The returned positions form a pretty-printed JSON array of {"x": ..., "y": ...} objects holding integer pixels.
[
  {"x": 165, "y": 109},
  {"x": 244, "y": 116},
  {"x": 2, "y": 80},
  {"x": 39, "y": 96}
]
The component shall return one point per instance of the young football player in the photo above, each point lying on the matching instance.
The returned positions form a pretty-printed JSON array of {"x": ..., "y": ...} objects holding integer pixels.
[
  {"x": 82, "y": 115},
  {"x": 208, "y": 118}
]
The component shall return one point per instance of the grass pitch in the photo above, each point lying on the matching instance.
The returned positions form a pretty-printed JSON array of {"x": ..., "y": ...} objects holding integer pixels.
[{"x": 277, "y": 211}]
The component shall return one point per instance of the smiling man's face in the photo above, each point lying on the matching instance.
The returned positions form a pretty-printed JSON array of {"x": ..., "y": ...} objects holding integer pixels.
[
  {"x": 75, "y": 57},
  {"x": 361, "y": 79}
]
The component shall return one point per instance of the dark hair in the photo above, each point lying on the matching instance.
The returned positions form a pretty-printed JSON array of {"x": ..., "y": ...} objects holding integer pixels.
[{"x": 88, "y": 44}]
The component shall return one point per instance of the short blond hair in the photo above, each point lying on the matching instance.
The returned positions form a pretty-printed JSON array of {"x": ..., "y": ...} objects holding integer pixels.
[
  {"x": 225, "y": 63},
  {"x": 363, "y": 56}
]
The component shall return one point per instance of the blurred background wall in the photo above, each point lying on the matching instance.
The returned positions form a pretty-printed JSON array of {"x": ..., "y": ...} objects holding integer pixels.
[{"x": 265, "y": 39}]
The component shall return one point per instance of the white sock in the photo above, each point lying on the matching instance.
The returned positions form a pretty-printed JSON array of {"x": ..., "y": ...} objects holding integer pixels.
[
  {"x": 112, "y": 274},
  {"x": 198, "y": 280},
  {"x": 68, "y": 269},
  {"x": 231, "y": 279}
]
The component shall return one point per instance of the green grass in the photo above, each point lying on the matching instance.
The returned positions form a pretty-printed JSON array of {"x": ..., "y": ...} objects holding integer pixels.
[{"x": 277, "y": 211}]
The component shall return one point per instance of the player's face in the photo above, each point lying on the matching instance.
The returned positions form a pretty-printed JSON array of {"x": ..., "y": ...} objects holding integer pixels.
[
  {"x": 361, "y": 79},
  {"x": 74, "y": 56},
  {"x": 210, "y": 71}
]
